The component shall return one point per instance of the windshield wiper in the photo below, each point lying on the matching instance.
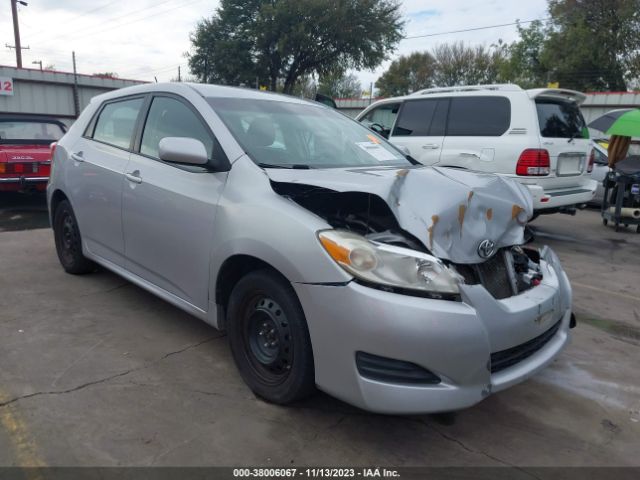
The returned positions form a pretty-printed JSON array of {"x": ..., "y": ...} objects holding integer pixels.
[{"x": 295, "y": 166}]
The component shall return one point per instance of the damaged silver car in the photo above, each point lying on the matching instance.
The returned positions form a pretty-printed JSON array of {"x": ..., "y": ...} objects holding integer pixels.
[{"x": 330, "y": 259}]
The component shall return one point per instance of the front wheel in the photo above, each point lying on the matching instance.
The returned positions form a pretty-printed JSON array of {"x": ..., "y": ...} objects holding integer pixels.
[
  {"x": 68, "y": 241},
  {"x": 269, "y": 338}
]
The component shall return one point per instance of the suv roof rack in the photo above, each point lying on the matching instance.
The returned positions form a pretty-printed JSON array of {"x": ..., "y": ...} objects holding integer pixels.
[{"x": 508, "y": 87}]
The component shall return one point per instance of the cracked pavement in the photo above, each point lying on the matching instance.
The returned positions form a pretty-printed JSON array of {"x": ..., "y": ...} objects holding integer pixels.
[{"x": 95, "y": 371}]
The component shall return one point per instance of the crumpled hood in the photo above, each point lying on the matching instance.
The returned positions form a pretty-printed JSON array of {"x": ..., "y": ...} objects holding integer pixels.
[{"x": 451, "y": 211}]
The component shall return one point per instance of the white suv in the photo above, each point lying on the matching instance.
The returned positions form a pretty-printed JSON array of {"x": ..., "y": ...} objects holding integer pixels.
[{"x": 538, "y": 137}]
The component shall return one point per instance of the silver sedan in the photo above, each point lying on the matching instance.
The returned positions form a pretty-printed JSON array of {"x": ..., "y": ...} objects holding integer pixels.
[{"x": 330, "y": 258}]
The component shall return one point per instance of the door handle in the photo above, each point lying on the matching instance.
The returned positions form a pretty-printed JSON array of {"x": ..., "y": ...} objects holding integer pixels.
[
  {"x": 469, "y": 154},
  {"x": 430, "y": 146},
  {"x": 77, "y": 157},
  {"x": 132, "y": 178}
]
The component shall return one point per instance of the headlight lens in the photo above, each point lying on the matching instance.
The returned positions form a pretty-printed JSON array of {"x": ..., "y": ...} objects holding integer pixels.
[{"x": 389, "y": 265}]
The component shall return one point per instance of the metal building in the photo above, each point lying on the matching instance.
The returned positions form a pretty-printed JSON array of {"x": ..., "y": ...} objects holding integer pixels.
[{"x": 58, "y": 94}]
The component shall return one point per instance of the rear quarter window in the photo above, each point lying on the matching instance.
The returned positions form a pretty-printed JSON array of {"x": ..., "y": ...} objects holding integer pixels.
[
  {"x": 560, "y": 119},
  {"x": 479, "y": 116}
]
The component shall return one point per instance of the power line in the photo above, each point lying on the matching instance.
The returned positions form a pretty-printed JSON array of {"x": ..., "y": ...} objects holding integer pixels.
[
  {"x": 475, "y": 29},
  {"x": 82, "y": 15},
  {"x": 137, "y": 20},
  {"x": 83, "y": 31}
]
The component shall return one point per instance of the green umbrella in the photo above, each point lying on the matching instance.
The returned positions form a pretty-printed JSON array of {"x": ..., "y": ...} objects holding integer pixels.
[{"x": 623, "y": 122}]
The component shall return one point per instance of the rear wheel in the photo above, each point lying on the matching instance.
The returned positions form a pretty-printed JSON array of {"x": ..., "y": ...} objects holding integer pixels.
[
  {"x": 68, "y": 241},
  {"x": 269, "y": 338}
]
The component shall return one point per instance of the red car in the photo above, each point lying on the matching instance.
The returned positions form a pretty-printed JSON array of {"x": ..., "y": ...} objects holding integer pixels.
[{"x": 25, "y": 153}]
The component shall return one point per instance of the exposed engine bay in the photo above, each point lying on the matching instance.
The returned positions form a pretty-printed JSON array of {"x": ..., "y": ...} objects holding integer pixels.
[{"x": 510, "y": 271}]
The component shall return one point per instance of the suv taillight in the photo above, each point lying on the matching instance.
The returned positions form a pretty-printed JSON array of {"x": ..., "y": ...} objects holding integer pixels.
[
  {"x": 533, "y": 162},
  {"x": 592, "y": 159}
]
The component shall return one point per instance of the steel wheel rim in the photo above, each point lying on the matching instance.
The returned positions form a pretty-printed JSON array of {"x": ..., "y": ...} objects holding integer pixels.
[
  {"x": 267, "y": 339},
  {"x": 69, "y": 237}
]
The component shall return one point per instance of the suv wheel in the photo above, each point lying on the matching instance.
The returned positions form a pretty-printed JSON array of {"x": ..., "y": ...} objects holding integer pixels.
[
  {"x": 269, "y": 338},
  {"x": 68, "y": 241}
]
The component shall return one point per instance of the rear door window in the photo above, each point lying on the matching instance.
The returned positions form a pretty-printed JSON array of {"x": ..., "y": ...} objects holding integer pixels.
[
  {"x": 560, "y": 119},
  {"x": 117, "y": 121},
  {"x": 416, "y": 118},
  {"x": 479, "y": 116}
]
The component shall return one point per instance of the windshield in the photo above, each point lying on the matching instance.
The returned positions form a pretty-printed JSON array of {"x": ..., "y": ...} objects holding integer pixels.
[
  {"x": 294, "y": 135},
  {"x": 30, "y": 130},
  {"x": 560, "y": 119}
]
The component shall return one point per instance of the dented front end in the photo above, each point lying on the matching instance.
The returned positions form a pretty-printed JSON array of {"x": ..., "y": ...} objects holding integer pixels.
[
  {"x": 490, "y": 312},
  {"x": 472, "y": 223}
]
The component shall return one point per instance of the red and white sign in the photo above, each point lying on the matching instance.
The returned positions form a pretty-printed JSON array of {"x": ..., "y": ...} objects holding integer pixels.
[{"x": 6, "y": 86}]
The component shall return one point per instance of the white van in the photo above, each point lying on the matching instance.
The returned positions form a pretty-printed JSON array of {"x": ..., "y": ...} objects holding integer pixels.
[{"x": 538, "y": 137}]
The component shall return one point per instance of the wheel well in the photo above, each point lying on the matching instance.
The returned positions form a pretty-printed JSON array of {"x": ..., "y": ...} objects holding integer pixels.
[
  {"x": 231, "y": 271},
  {"x": 56, "y": 198}
]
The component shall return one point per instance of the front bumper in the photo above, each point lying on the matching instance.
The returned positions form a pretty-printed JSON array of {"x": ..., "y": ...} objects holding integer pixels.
[
  {"x": 451, "y": 339},
  {"x": 562, "y": 197}
]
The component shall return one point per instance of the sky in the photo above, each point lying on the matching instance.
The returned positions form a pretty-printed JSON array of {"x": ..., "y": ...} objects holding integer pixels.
[{"x": 146, "y": 39}]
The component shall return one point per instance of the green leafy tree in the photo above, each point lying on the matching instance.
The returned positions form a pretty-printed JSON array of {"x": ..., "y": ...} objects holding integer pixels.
[
  {"x": 340, "y": 85},
  {"x": 278, "y": 41},
  {"x": 593, "y": 44},
  {"x": 523, "y": 65},
  {"x": 407, "y": 74},
  {"x": 461, "y": 64}
]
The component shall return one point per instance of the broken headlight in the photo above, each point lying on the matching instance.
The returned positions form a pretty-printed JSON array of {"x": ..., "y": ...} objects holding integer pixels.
[{"x": 387, "y": 265}]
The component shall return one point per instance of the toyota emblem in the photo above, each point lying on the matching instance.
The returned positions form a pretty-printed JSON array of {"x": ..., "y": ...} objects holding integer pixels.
[{"x": 486, "y": 248}]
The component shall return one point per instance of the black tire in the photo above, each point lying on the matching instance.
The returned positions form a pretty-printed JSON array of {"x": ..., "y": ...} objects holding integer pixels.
[
  {"x": 269, "y": 338},
  {"x": 69, "y": 242}
]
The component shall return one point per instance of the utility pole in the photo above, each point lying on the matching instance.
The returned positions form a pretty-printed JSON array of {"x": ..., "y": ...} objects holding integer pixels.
[
  {"x": 179, "y": 77},
  {"x": 38, "y": 62},
  {"x": 16, "y": 30},
  {"x": 76, "y": 99}
]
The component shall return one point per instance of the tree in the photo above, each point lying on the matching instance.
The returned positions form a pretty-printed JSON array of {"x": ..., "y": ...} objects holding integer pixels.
[
  {"x": 459, "y": 64},
  {"x": 305, "y": 87},
  {"x": 340, "y": 85},
  {"x": 524, "y": 65},
  {"x": 593, "y": 44},
  {"x": 272, "y": 41},
  {"x": 407, "y": 74}
]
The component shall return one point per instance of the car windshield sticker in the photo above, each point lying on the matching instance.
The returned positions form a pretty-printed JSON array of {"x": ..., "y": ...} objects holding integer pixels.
[{"x": 377, "y": 151}]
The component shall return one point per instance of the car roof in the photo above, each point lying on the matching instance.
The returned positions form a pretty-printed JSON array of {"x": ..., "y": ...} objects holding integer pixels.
[
  {"x": 491, "y": 90},
  {"x": 205, "y": 90}
]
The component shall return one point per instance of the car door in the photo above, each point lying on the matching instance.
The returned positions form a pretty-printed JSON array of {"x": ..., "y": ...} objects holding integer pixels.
[
  {"x": 168, "y": 209},
  {"x": 96, "y": 172},
  {"x": 474, "y": 126},
  {"x": 420, "y": 127}
]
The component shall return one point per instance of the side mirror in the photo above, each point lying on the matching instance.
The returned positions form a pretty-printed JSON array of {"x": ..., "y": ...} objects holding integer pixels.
[{"x": 182, "y": 150}]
